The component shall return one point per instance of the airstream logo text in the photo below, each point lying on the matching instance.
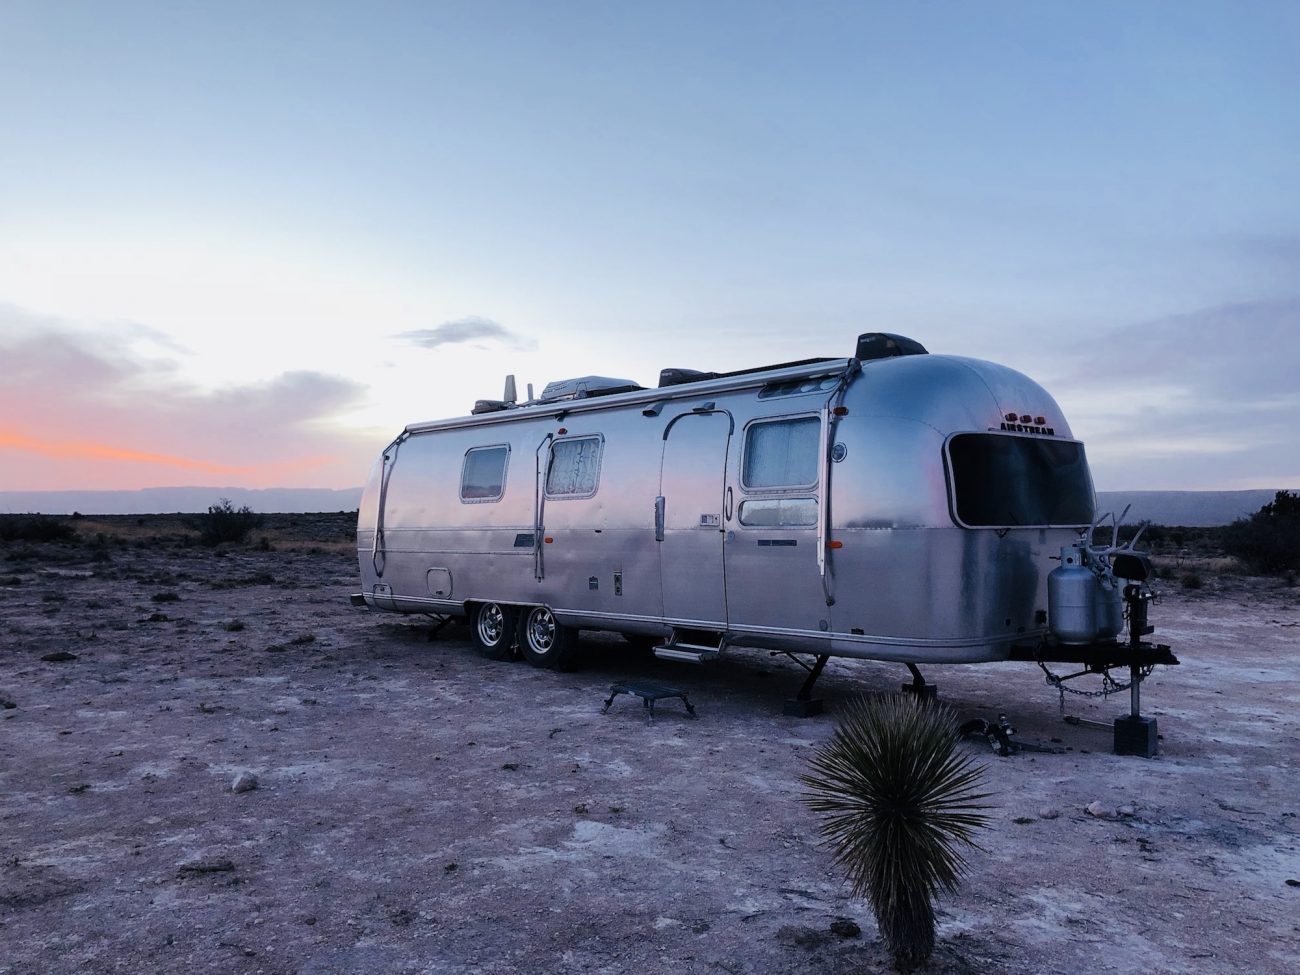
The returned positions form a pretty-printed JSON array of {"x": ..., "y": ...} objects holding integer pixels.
[{"x": 1027, "y": 428}]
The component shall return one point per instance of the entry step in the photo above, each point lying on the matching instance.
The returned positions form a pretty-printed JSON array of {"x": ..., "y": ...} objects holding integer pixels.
[{"x": 690, "y": 652}]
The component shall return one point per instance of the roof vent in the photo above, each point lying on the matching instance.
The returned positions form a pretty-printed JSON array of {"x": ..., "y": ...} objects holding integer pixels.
[
  {"x": 883, "y": 345},
  {"x": 675, "y": 377}
]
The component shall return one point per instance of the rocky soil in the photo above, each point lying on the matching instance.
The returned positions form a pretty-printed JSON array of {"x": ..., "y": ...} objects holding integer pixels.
[{"x": 210, "y": 762}]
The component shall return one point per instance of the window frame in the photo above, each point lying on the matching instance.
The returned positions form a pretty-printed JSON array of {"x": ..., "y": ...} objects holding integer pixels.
[
  {"x": 806, "y": 487},
  {"x": 550, "y": 463},
  {"x": 778, "y": 498},
  {"x": 950, "y": 473},
  {"x": 464, "y": 466}
]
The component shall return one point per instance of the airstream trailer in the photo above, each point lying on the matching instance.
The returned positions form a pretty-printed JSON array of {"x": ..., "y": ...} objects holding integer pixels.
[{"x": 892, "y": 505}]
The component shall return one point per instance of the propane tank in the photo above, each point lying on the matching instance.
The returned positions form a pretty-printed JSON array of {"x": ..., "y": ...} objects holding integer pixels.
[
  {"x": 1110, "y": 608},
  {"x": 1072, "y": 598}
]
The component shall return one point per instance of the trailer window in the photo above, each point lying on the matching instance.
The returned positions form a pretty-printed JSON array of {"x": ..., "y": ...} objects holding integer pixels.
[
  {"x": 1007, "y": 481},
  {"x": 483, "y": 477},
  {"x": 792, "y": 387},
  {"x": 781, "y": 453},
  {"x": 575, "y": 468},
  {"x": 779, "y": 513}
]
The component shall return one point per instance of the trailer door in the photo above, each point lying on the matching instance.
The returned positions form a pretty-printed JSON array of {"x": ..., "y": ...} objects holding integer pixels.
[
  {"x": 772, "y": 571},
  {"x": 692, "y": 477}
]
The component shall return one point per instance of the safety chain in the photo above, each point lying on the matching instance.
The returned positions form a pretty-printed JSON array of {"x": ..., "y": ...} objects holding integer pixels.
[{"x": 1109, "y": 685}]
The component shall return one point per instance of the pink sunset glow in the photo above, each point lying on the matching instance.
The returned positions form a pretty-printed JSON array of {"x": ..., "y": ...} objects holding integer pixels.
[{"x": 88, "y": 416}]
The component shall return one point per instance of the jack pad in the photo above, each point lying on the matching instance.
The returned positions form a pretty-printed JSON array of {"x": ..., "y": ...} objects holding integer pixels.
[
  {"x": 1135, "y": 736},
  {"x": 926, "y": 692},
  {"x": 799, "y": 708}
]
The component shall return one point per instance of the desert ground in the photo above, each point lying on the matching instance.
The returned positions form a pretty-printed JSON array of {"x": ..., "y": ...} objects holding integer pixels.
[{"x": 420, "y": 809}]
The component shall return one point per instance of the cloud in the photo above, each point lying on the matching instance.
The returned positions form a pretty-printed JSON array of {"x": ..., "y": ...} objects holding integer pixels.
[
  {"x": 1226, "y": 355},
  {"x": 460, "y": 330},
  {"x": 1194, "y": 400},
  {"x": 88, "y": 410}
]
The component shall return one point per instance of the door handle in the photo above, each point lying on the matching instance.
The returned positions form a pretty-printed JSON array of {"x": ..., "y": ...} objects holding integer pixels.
[
  {"x": 659, "y": 518},
  {"x": 728, "y": 505}
]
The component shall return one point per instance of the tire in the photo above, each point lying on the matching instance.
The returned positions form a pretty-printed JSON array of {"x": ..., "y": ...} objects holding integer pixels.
[
  {"x": 492, "y": 628},
  {"x": 546, "y": 642}
]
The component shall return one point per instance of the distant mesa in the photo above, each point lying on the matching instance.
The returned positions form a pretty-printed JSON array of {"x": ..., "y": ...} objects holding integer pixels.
[
  {"x": 1190, "y": 509},
  {"x": 167, "y": 500}
]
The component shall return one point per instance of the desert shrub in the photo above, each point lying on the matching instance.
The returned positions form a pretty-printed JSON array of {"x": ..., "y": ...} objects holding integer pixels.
[
  {"x": 1192, "y": 580},
  {"x": 223, "y": 523},
  {"x": 1269, "y": 540},
  {"x": 899, "y": 801},
  {"x": 35, "y": 528}
]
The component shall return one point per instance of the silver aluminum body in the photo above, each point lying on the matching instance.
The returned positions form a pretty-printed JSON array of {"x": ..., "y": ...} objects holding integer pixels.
[{"x": 885, "y": 572}]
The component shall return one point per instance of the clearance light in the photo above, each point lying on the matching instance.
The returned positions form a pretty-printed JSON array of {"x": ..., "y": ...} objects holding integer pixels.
[
  {"x": 841, "y": 411},
  {"x": 1026, "y": 418},
  {"x": 835, "y": 545},
  {"x": 1041, "y": 420},
  {"x": 548, "y": 539},
  {"x": 1010, "y": 418},
  {"x": 562, "y": 431}
]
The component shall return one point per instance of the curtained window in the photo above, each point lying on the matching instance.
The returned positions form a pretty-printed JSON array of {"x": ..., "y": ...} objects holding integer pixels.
[
  {"x": 782, "y": 453},
  {"x": 575, "y": 468}
]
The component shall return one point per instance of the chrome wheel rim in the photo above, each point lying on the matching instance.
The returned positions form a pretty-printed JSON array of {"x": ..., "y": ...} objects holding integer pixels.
[
  {"x": 491, "y": 624},
  {"x": 541, "y": 630}
]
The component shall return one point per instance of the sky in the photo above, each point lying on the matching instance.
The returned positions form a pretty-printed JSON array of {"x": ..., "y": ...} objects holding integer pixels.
[{"x": 246, "y": 243}]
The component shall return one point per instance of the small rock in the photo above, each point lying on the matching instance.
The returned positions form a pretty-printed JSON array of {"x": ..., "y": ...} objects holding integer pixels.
[
  {"x": 205, "y": 865},
  {"x": 1023, "y": 820},
  {"x": 58, "y": 657},
  {"x": 1047, "y": 812},
  {"x": 7, "y": 704},
  {"x": 1098, "y": 810},
  {"x": 244, "y": 782},
  {"x": 1128, "y": 812},
  {"x": 1292, "y": 883},
  {"x": 845, "y": 928}
]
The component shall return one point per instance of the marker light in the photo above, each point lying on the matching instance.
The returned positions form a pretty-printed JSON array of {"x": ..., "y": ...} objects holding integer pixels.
[
  {"x": 1010, "y": 418},
  {"x": 1026, "y": 418},
  {"x": 835, "y": 544},
  {"x": 562, "y": 431},
  {"x": 1041, "y": 420},
  {"x": 841, "y": 411}
]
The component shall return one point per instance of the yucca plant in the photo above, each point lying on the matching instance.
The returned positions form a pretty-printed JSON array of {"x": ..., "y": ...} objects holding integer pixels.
[{"x": 900, "y": 802}]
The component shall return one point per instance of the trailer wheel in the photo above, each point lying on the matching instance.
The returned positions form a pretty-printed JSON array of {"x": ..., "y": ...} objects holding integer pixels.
[
  {"x": 493, "y": 630},
  {"x": 546, "y": 642}
]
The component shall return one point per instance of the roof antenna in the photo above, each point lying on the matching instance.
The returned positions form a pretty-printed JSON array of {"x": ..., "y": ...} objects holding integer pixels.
[{"x": 510, "y": 397}]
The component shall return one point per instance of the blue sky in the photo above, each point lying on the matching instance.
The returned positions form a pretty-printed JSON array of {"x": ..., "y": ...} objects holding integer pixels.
[{"x": 228, "y": 217}]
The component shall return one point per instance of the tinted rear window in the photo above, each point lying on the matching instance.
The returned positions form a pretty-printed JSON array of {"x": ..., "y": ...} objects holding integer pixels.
[{"x": 1001, "y": 481}]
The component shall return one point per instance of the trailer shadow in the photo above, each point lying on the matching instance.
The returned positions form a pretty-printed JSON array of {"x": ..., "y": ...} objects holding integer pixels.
[{"x": 758, "y": 682}]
